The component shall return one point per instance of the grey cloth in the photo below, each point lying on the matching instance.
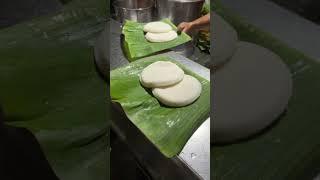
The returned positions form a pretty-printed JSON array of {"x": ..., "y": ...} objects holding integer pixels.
[{"x": 250, "y": 92}]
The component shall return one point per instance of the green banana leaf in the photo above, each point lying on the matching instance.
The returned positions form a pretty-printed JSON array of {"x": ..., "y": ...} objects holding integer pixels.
[
  {"x": 205, "y": 8},
  {"x": 203, "y": 41},
  {"x": 291, "y": 147},
  {"x": 203, "y": 38},
  {"x": 167, "y": 128},
  {"x": 136, "y": 46},
  {"x": 49, "y": 85}
]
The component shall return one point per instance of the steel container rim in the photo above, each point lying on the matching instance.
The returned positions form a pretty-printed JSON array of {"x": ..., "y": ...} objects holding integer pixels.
[{"x": 133, "y": 9}]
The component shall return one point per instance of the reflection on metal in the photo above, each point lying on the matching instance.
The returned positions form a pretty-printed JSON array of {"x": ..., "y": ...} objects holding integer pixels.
[
  {"x": 136, "y": 10},
  {"x": 179, "y": 10}
]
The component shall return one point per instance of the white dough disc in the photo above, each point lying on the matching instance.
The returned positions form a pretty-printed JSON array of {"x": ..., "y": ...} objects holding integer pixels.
[
  {"x": 250, "y": 92},
  {"x": 157, "y": 27},
  {"x": 161, "y": 37},
  {"x": 225, "y": 39},
  {"x": 181, "y": 94},
  {"x": 160, "y": 74}
]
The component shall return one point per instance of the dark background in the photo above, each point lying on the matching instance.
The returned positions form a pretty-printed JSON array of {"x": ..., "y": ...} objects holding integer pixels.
[
  {"x": 15, "y": 11},
  {"x": 309, "y": 9}
]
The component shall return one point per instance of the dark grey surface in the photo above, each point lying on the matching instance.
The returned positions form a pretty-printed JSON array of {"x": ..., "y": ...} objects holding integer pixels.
[
  {"x": 115, "y": 46},
  {"x": 15, "y": 11},
  {"x": 288, "y": 27},
  {"x": 251, "y": 91},
  {"x": 123, "y": 162},
  {"x": 306, "y": 8}
]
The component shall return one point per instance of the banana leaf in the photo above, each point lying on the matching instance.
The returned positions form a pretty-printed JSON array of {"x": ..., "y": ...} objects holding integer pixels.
[
  {"x": 136, "y": 46},
  {"x": 203, "y": 41},
  {"x": 167, "y": 128},
  {"x": 290, "y": 148},
  {"x": 205, "y": 8},
  {"x": 49, "y": 86}
]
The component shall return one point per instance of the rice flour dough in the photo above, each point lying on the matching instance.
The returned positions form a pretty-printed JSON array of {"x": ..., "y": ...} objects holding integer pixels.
[
  {"x": 157, "y": 27},
  {"x": 161, "y": 37},
  {"x": 181, "y": 94},
  {"x": 160, "y": 74}
]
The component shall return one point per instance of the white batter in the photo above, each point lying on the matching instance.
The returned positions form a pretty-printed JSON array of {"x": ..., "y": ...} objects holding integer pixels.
[
  {"x": 157, "y": 27},
  {"x": 160, "y": 74},
  {"x": 181, "y": 94},
  {"x": 161, "y": 37}
]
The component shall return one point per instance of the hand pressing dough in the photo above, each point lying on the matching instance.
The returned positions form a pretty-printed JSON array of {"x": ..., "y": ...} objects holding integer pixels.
[
  {"x": 160, "y": 74},
  {"x": 157, "y": 27},
  {"x": 161, "y": 37},
  {"x": 181, "y": 94}
]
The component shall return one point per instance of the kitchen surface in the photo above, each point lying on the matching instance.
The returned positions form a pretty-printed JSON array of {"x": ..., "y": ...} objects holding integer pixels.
[
  {"x": 194, "y": 160},
  {"x": 61, "y": 75}
]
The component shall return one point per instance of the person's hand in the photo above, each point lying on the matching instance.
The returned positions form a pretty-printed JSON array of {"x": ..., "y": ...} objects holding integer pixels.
[
  {"x": 186, "y": 27},
  {"x": 193, "y": 26}
]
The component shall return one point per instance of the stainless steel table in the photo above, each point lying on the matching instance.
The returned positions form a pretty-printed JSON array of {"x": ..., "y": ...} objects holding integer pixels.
[{"x": 194, "y": 160}]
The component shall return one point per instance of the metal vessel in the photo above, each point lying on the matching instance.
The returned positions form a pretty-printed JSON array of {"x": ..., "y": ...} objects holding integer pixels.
[
  {"x": 136, "y": 10},
  {"x": 179, "y": 10}
]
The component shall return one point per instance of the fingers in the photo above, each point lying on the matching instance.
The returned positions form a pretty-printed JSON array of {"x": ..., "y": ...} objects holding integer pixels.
[
  {"x": 181, "y": 26},
  {"x": 185, "y": 27}
]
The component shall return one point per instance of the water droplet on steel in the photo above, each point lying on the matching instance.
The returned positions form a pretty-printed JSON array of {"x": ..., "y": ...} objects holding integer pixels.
[{"x": 193, "y": 155}]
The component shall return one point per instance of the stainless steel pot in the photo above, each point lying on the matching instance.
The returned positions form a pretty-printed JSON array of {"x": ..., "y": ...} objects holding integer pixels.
[
  {"x": 136, "y": 10},
  {"x": 179, "y": 10}
]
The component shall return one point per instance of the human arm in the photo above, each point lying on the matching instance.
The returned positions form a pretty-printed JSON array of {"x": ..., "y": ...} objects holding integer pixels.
[{"x": 200, "y": 23}]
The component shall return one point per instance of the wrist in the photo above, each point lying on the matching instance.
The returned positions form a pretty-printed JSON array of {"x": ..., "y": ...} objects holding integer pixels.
[{"x": 193, "y": 24}]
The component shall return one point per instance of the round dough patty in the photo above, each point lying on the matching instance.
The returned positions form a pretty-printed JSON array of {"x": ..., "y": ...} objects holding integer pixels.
[
  {"x": 225, "y": 39},
  {"x": 160, "y": 74},
  {"x": 161, "y": 37},
  {"x": 157, "y": 27},
  {"x": 181, "y": 94},
  {"x": 247, "y": 96}
]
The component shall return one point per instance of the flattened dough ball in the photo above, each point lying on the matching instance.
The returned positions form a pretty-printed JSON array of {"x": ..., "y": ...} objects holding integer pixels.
[
  {"x": 161, "y": 37},
  {"x": 225, "y": 39},
  {"x": 250, "y": 92},
  {"x": 160, "y": 74},
  {"x": 181, "y": 94},
  {"x": 157, "y": 27}
]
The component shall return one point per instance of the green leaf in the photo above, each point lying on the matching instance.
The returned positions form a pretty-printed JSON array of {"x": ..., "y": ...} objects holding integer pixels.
[
  {"x": 167, "y": 128},
  {"x": 206, "y": 8},
  {"x": 297, "y": 152},
  {"x": 49, "y": 85},
  {"x": 136, "y": 46}
]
